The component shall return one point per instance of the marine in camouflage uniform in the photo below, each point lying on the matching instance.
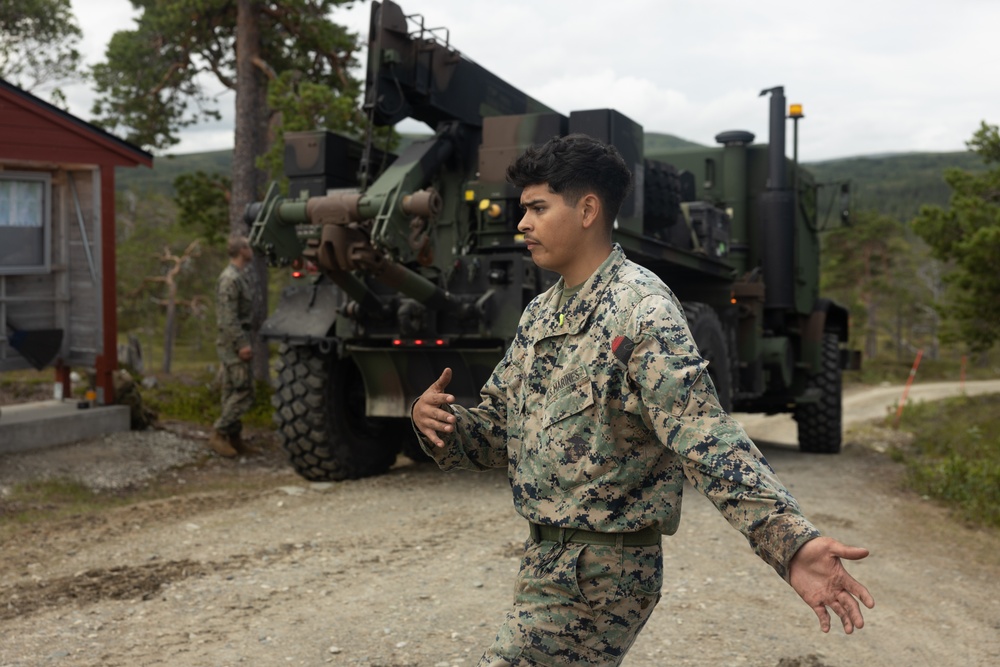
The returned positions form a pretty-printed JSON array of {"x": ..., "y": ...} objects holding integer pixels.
[
  {"x": 233, "y": 307},
  {"x": 599, "y": 410}
]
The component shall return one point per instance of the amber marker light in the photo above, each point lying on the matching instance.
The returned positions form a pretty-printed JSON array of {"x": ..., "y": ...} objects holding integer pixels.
[{"x": 795, "y": 111}]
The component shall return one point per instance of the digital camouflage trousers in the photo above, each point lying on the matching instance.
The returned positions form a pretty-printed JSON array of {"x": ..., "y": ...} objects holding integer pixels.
[
  {"x": 237, "y": 396},
  {"x": 577, "y": 604}
]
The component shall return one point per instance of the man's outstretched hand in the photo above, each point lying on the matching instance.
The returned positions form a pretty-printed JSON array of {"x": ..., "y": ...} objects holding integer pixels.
[
  {"x": 429, "y": 413},
  {"x": 820, "y": 579}
]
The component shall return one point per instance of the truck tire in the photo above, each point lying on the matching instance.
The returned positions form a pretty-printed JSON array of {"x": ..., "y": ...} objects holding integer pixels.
[
  {"x": 820, "y": 422},
  {"x": 319, "y": 410},
  {"x": 712, "y": 342}
]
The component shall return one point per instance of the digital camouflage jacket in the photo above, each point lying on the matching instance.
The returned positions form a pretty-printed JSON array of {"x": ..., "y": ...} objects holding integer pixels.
[
  {"x": 233, "y": 310},
  {"x": 601, "y": 411}
]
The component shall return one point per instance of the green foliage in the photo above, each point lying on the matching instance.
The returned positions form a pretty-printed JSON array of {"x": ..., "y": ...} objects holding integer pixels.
[
  {"x": 196, "y": 398},
  {"x": 305, "y": 105},
  {"x": 146, "y": 226},
  {"x": 955, "y": 456},
  {"x": 895, "y": 185},
  {"x": 38, "y": 45},
  {"x": 203, "y": 204},
  {"x": 880, "y": 272},
  {"x": 149, "y": 86},
  {"x": 145, "y": 229},
  {"x": 167, "y": 168},
  {"x": 966, "y": 235}
]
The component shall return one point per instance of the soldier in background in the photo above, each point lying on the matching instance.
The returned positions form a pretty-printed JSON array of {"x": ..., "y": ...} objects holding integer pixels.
[
  {"x": 600, "y": 409},
  {"x": 233, "y": 308}
]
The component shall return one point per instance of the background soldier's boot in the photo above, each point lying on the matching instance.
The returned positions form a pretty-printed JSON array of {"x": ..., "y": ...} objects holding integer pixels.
[
  {"x": 219, "y": 442},
  {"x": 240, "y": 446}
]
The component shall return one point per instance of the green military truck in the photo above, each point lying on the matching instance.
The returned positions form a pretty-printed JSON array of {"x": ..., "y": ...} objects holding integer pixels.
[{"x": 413, "y": 262}]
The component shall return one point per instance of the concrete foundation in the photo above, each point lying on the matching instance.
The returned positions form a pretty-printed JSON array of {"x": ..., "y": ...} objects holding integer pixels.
[{"x": 31, "y": 426}]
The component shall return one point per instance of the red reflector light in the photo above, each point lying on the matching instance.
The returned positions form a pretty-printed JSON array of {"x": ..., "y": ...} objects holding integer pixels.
[
  {"x": 296, "y": 274},
  {"x": 420, "y": 342}
]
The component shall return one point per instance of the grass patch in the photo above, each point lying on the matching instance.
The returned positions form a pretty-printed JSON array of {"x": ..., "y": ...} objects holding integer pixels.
[
  {"x": 196, "y": 398},
  {"x": 57, "y": 498},
  {"x": 955, "y": 455},
  {"x": 876, "y": 371}
]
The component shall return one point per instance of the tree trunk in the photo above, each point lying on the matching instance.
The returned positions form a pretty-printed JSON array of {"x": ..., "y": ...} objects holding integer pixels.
[
  {"x": 871, "y": 331},
  {"x": 168, "y": 334},
  {"x": 250, "y": 141},
  {"x": 899, "y": 332}
]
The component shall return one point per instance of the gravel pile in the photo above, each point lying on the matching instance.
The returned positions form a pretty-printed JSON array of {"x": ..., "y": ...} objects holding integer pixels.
[{"x": 110, "y": 463}]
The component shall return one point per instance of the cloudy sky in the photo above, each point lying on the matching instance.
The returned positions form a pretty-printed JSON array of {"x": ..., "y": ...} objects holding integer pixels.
[{"x": 874, "y": 76}]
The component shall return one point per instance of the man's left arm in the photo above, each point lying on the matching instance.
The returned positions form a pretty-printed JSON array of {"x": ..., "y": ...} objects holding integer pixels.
[
  {"x": 721, "y": 462},
  {"x": 717, "y": 457}
]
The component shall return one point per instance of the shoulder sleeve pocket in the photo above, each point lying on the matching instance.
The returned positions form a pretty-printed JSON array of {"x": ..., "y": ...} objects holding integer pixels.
[{"x": 666, "y": 380}]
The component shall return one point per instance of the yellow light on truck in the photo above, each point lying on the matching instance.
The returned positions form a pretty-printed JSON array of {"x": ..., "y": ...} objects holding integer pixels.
[
  {"x": 795, "y": 111},
  {"x": 490, "y": 209},
  {"x": 470, "y": 195}
]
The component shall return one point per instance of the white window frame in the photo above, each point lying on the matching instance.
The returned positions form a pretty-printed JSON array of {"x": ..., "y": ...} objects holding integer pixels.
[{"x": 46, "y": 264}]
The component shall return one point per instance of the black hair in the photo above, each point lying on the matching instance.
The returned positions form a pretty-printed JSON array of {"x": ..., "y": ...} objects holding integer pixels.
[{"x": 573, "y": 166}]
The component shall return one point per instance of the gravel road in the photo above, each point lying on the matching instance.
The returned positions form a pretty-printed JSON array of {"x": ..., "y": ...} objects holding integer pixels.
[{"x": 244, "y": 563}]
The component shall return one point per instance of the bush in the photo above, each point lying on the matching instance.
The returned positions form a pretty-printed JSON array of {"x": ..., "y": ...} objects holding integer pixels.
[
  {"x": 955, "y": 456},
  {"x": 197, "y": 399}
]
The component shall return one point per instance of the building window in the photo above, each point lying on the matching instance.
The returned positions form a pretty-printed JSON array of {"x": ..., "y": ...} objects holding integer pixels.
[{"x": 24, "y": 222}]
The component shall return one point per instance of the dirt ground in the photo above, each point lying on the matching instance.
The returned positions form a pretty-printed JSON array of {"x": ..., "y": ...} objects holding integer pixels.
[{"x": 244, "y": 563}]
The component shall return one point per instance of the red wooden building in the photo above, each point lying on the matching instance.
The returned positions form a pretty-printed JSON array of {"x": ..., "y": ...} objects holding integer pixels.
[{"x": 57, "y": 236}]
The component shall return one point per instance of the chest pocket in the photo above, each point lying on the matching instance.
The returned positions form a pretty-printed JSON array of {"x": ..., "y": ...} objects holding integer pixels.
[{"x": 569, "y": 395}]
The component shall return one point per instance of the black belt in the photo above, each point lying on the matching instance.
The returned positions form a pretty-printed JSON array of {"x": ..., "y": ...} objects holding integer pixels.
[{"x": 647, "y": 537}]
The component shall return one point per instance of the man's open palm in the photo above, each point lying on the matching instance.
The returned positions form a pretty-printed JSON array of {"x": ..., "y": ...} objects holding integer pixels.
[{"x": 820, "y": 579}]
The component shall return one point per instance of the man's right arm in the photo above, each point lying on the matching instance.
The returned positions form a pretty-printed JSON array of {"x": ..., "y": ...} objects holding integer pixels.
[{"x": 458, "y": 437}]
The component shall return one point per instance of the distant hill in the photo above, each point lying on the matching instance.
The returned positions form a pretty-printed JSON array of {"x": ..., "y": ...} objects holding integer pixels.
[
  {"x": 657, "y": 141},
  {"x": 897, "y": 184},
  {"x": 892, "y": 184},
  {"x": 160, "y": 179}
]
